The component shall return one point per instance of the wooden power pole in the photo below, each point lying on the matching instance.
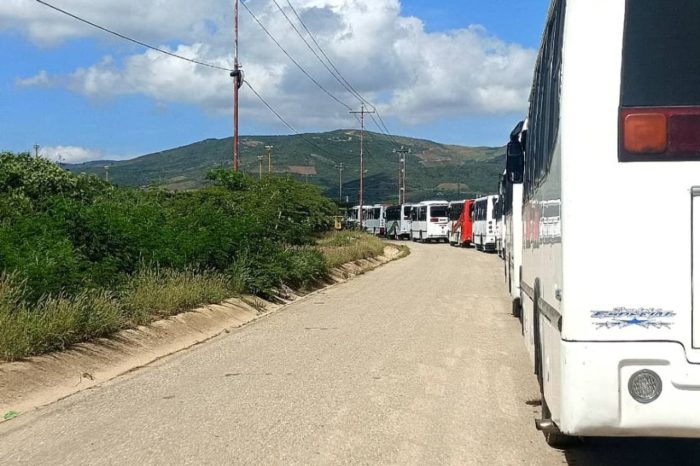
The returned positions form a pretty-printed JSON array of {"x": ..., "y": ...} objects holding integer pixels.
[{"x": 362, "y": 113}]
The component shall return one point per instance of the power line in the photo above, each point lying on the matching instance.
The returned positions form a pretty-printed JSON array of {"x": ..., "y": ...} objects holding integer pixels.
[
  {"x": 339, "y": 79},
  {"x": 287, "y": 124},
  {"x": 382, "y": 128},
  {"x": 351, "y": 89},
  {"x": 122, "y": 36},
  {"x": 308, "y": 75}
]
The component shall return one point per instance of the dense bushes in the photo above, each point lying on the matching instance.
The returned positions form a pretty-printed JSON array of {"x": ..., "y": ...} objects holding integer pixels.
[
  {"x": 91, "y": 258},
  {"x": 82, "y": 233}
]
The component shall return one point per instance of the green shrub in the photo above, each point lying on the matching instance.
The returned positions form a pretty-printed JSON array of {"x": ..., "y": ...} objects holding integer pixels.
[{"x": 73, "y": 249}]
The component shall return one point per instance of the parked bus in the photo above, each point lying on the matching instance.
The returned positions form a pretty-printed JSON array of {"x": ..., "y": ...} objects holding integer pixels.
[
  {"x": 498, "y": 216},
  {"x": 611, "y": 317},
  {"x": 398, "y": 221},
  {"x": 484, "y": 227},
  {"x": 454, "y": 212},
  {"x": 375, "y": 221},
  {"x": 460, "y": 226},
  {"x": 512, "y": 223},
  {"x": 429, "y": 221},
  {"x": 354, "y": 219}
]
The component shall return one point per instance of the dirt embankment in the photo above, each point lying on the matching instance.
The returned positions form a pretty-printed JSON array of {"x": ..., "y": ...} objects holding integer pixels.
[{"x": 41, "y": 380}]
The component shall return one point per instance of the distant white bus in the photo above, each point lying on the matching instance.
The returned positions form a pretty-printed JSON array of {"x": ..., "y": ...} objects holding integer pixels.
[
  {"x": 354, "y": 218},
  {"x": 375, "y": 220},
  {"x": 398, "y": 221},
  {"x": 485, "y": 232},
  {"x": 429, "y": 221},
  {"x": 611, "y": 315}
]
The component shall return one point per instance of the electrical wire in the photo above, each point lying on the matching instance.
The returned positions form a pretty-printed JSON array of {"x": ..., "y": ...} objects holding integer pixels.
[
  {"x": 287, "y": 124},
  {"x": 122, "y": 36},
  {"x": 217, "y": 67},
  {"x": 301, "y": 68},
  {"x": 382, "y": 128}
]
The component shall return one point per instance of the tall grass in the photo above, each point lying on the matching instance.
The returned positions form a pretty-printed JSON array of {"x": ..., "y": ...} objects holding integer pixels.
[
  {"x": 55, "y": 323},
  {"x": 348, "y": 246}
]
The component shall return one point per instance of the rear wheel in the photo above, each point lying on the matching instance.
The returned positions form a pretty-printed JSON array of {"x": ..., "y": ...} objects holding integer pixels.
[
  {"x": 554, "y": 437},
  {"x": 516, "y": 308}
]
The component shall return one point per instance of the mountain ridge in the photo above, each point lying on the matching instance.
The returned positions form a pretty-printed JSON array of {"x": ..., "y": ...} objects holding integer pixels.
[{"x": 433, "y": 169}]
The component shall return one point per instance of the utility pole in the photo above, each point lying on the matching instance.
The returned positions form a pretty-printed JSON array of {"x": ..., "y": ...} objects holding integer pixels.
[
  {"x": 36, "y": 150},
  {"x": 362, "y": 159},
  {"x": 340, "y": 182},
  {"x": 402, "y": 173},
  {"x": 107, "y": 173},
  {"x": 269, "y": 159},
  {"x": 260, "y": 160},
  {"x": 237, "y": 76}
]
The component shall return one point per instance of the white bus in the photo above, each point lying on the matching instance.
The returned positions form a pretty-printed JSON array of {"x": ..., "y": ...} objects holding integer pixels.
[
  {"x": 354, "y": 218},
  {"x": 484, "y": 227},
  {"x": 398, "y": 221},
  {"x": 375, "y": 220},
  {"x": 454, "y": 214},
  {"x": 429, "y": 221},
  {"x": 498, "y": 216},
  {"x": 611, "y": 311},
  {"x": 512, "y": 189}
]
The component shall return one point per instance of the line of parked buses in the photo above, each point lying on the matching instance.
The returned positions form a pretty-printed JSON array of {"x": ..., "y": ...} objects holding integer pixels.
[
  {"x": 467, "y": 222},
  {"x": 608, "y": 299}
]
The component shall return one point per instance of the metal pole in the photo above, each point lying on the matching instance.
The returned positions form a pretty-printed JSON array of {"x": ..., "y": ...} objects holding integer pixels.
[
  {"x": 402, "y": 173},
  {"x": 260, "y": 161},
  {"x": 340, "y": 182},
  {"x": 269, "y": 159},
  {"x": 36, "y": 150}
]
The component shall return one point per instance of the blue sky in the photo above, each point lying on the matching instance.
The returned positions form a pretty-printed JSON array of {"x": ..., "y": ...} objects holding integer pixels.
[{"x": 83, "y": 94}]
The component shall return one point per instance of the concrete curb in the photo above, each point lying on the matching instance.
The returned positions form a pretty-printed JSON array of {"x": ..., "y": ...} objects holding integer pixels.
[{"x": 38, "y": 381}]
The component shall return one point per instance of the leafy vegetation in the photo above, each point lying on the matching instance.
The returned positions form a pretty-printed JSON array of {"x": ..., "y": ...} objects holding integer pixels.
[
  {"x": 434, "y": 170},
  {"x": 81, "y": 258}
]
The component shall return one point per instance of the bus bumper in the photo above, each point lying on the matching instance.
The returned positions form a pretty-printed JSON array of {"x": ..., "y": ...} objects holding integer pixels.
[{"x": 596, "y": 399}]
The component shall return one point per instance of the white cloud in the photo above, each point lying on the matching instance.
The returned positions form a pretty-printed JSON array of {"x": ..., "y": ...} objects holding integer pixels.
[
  {"x": 70, "y": 154},
  {"x": 414, "y": 75},
  {"x": 41, "y": 79}
]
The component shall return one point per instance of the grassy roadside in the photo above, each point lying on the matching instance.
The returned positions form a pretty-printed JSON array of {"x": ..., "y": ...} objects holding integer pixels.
[
  {"x": 347, "y": 246},
  {"x": 54, "y": 323}
]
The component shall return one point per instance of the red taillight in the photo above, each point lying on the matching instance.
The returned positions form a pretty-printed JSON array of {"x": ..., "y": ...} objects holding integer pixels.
[
  {"x": 659, "y": 134},
  {"x": 434, "y": 219},
  {"x": 684, "y": 134}
]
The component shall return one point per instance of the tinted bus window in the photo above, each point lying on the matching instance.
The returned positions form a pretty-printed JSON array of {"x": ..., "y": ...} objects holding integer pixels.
[
  {"x": 422, "y": 213},
  {"x": 456, "y": 211},
  {"x": 661, "y": 54},
  {"x": 393, "y": 213},
  {"x": 438, "y": 211}
]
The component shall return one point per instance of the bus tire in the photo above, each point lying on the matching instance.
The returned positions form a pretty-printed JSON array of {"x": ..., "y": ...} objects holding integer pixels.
[
  {"x": 516, "y": 310},
  {"x": 554, "y": 437}
]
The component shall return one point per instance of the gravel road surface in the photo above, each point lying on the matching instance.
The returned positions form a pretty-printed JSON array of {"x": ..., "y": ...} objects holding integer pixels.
[{"x": 418, "y": 362}]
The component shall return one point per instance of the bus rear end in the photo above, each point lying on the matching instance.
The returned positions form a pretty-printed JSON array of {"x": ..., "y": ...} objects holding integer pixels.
[
  {"x": 629, "y": 290},
  {"x": 437, "y": 221},
  {"x": 466, "y": 223}
]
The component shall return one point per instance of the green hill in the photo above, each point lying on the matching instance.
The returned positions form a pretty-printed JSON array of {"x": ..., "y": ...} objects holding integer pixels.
[{"x": 433, "y": 170}]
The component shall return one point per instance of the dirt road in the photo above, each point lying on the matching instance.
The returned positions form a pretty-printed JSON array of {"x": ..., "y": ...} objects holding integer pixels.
[{"x": 418, "y": 362}]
